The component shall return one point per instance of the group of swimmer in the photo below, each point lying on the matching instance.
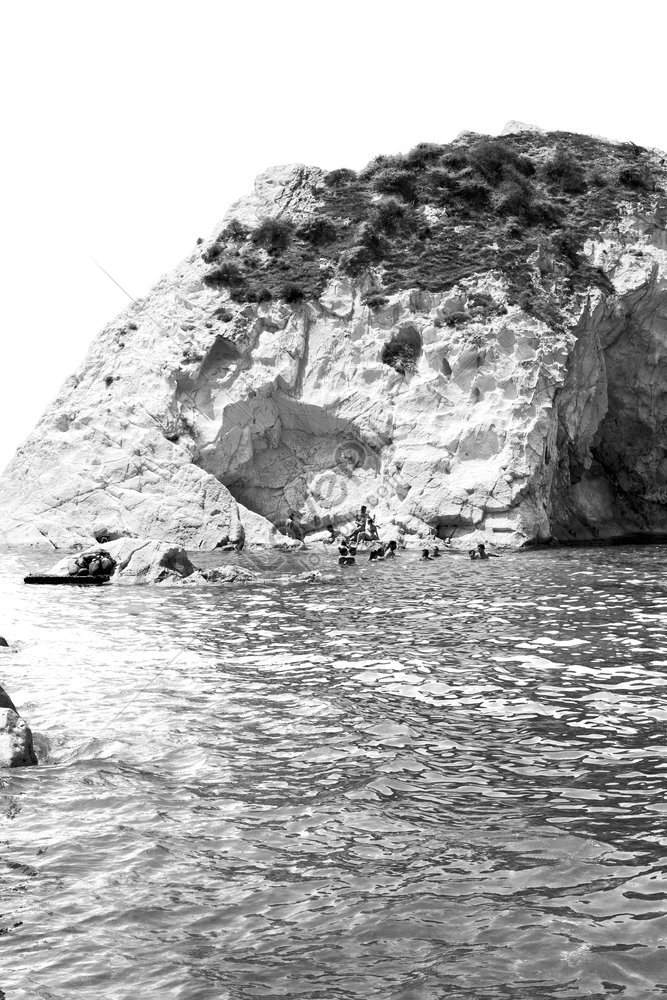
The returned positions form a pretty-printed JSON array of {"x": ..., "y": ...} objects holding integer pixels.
[{"x": 365, "y": 530}]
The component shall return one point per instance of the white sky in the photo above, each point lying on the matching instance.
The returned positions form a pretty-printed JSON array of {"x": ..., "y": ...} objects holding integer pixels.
[{"x": 129, "y": 127}]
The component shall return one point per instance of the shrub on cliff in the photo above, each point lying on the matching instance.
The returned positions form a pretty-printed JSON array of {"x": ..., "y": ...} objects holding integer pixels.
[
  {"x": 494, "y": 158},
  {"x": 234, "y": 230},
  {"x": 565, "y": 171},
  {"x": 396, "y": 181},
  {"x": 340, "y": 177},
  {"x": 318, "y": 231},
  {"x": 401, "y": 356},
  {"x": 273, "y": 234},
  {"x": 227, "y": 273},
  {"x": 635, "y": 177},
  {"x": 391, "y": 216}
]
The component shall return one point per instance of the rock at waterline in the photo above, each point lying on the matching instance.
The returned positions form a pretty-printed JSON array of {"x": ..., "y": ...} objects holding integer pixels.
[
  {"x": 137, "y": 560},
  {"x": 16, "y": 749},
  {"x": 3, "y": 641}
]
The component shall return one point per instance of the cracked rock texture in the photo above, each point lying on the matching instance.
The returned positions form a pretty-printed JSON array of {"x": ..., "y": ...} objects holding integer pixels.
[{"x": 197, "y": 420}]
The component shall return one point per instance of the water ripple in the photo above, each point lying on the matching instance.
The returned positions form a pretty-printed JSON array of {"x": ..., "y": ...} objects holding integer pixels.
[{"x": 411, "y": 780}]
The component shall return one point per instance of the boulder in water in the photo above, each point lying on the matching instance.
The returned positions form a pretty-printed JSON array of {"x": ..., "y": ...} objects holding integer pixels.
[
  {"x": 3, "y": 641},
  {"x": 135, "y": 560},
  {"x": 16, "y": 749}
]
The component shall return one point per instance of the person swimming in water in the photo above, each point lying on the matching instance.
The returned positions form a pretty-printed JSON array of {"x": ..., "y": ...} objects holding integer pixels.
[
  {"x": 483, "y": 554},
  {"x": 472, "y": 554},
  {"x": 346, "y": 557},
  {"x": 436, "y": 553},
  {"x": 426, "y": 555},
  {"x": 390, "y": 551}
]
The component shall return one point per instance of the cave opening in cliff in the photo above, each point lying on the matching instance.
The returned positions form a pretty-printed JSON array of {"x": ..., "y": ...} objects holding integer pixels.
[{"x": 276, "y": 454}]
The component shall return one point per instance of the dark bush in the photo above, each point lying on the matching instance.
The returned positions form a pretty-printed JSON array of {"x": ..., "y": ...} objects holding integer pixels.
[
  {"x": 211, "y": 253},
  {"x": 380, "y": 163},
  {"x": 525, "y": 166},
  {"x": 374, "y": 298},
  {"x": 224, "y": 315},
  {"x": 567, "y": 246},
  {"x": 234, "y": 230},
  {"x": 273, "y": 234},
  {"x": 372, "y": 241},
  {"x": 228, "y": 273},
  {"x": 340, "y": 177},
  {"x": 391, "y": 216},
  {"x": 292, "y": 293},
  {"x": 456, "y": 160},
  {"x": 253, "y": 293},
  {"x": 513, "y": 198},
  {"x": 474, "y": 193},
  {"x": 490, "y": 158},
  {"x": 497, "y": 161},
  {"x": 317, "y": 231},
  {"x": 132, "y": 326},
  {"x": 564, "y": 170},
  {"x": 424, "y": 153},
  {"x": 401, "y": 356},
  {"x": 635, "y": 177},
  {"x": 394, "y": 181},
  {"x": 457, "y": 318},
  {"x": 356, "y": 260}
]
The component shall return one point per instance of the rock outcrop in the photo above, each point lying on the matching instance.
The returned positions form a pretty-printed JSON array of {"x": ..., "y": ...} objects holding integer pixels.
[
  {"x": 141, "y": 561},
  {"x": 471, "y": 339},
  {"x": 16, "y": 749},
  {"x": 138, "y": 560}
]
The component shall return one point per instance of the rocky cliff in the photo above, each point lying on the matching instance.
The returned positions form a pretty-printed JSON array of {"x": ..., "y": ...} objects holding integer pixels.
[{"x": 470, "y": 338}]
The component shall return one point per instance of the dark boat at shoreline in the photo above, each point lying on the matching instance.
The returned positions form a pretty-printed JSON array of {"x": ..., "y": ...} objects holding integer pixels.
[{"x": 78, "y": 581}]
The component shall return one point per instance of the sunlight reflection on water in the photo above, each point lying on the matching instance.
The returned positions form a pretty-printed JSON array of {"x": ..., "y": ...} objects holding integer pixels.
[{"x": 412, "y": 780}]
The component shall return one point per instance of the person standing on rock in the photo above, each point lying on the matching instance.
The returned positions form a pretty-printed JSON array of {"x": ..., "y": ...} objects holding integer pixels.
[{"x": 293, "y": 529}]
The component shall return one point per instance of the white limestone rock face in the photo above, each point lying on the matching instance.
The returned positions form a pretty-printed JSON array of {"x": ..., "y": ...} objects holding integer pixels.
[
  {"x": 196, "y": 420},
  {"x": 113, "y": 454}
]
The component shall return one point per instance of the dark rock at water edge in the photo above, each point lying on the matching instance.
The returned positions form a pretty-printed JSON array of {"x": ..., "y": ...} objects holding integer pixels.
[{"x": 16, "y": 745}]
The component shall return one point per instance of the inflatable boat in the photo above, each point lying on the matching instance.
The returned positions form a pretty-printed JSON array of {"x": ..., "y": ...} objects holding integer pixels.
[{"x": 84, "y": 580}]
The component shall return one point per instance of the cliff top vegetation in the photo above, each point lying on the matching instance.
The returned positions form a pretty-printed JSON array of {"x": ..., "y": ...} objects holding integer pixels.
[{"x": 439, "y": 214}]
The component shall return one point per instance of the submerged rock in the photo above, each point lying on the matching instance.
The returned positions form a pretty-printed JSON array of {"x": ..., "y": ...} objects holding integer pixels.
[
  {"x": 469, "y": 339},
  {"x": 16, "y": 747}
]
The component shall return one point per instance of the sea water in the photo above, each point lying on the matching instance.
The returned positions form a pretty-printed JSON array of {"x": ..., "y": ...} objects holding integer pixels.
[{"x": 407, "y": 780}]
